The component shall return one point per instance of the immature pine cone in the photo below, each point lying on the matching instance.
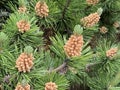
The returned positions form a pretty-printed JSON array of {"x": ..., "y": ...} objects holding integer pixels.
[
  {"x": 20, "y": 87},
  {"x": 116, "y": 24},
  {"x": 51, "y": 86},
  {"x": 24, "y": 62},
  {"x": 41, "y": 9},
  {"x": 74, "y": 45},
  {"x": 90, "y": 20},
  {"x": 22, "y": 9},
  {"x": 23, "y": 26},
  {"x": 92, "y": 2},
  {"x": 111, "y": 52},
  {"x": 103, "y": 29}
]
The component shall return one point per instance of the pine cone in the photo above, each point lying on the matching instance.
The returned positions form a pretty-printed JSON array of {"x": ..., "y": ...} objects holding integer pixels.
[
  {"x": 92, "y": 2},
  {"x": 23, "y": 26},
  {"x": 20, "y": 87},
  {"x": 41, "y": 9},
  {"x": 90, "y": 20},
  {"x": 111, "y": 52},
  {"x": 24, "y": 62},
  {"x": 116, "y": 24},
  {"x": 103, "y": 30},
  {"x": 51, "y": 86},
  {"x": 22, "y": 9},
  {"x": 74, "y": 45}
]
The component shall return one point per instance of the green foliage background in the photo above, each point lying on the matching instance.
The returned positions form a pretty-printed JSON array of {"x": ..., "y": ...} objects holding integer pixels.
[{"x": 93, "y": 70}]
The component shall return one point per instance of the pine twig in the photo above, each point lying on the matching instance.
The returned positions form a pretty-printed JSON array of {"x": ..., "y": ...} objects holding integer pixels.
[
  {"x": 115, "y": 80},
  {"x": 90, "y": 65},
  {"x": 7, "y": 78},
  {"x": 4, "y": 14},
  {"x": 60, "y": 67}
]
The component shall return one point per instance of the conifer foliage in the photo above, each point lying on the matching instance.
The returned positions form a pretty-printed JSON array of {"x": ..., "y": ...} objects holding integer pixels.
[{"x": 83, "y": 51}]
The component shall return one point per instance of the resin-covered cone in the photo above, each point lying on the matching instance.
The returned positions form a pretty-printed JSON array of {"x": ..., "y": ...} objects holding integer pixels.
[
  {"x": 92, "y": 2},
  {"x": 41, "y": 9},
  {"x": 24, "y": 62},
  {"x": 103, "y": 30},
  {"x": 23, "y": 26},
  {"x": 90, "y": 20},
  {"x": 111, "y": 52},
  {"x": 74, "y": 45},
  {"x": 51, "y": 86},
  {"x": 20, "y": 87}
]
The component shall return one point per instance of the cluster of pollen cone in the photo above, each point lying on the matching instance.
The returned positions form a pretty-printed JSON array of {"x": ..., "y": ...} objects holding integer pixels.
[
  {"x": 51, "y": 86},
  {"x": 41, "y": 9},
  {"x": 116, "y": 24},
  {"x": 21, "y": 87},
  {"x": 92, "y": 2},
  {"x": 24, "y": 62},
  {"x": 103, "y": 30},
  {"x": 90, "y": 20},
  {"x": 23, "y": 26},
  {"x": 74, "y": 45},
  {"x": 111, "y": 52},
  {"x": 22, "y": 9}
]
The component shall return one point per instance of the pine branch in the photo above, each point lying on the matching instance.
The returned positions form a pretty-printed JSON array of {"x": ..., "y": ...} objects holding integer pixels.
[
  {"x": 87, "y": 7},
  {"x": 114, "y": 88},
  {"x": 60, "y": 67},
  {"x": 7, "y": 78},
  {"x": 65, "y": 8},
  {"x": 90, "y": 65},
  {"x": 4, "y": 14},
  {"x": 115, "y": 80}
]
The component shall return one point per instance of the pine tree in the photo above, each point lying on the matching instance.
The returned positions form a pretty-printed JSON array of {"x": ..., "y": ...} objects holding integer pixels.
[{"x": 61, "y": 45}]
